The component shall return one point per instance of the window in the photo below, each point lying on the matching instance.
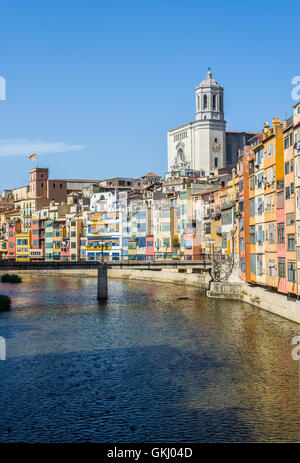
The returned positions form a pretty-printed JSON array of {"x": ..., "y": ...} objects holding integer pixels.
[
  {"x": 271, "y": 230},
  {"x": 259, "y": 156},
  {"x": 216, "y": 162},
  {"x": 252, "y": 234},
  {"x": 73, "y": 245},
  {"x": 286, "y": 142},
  {"x": 53, "y": 185},
  {"x": 205, "y": 102},
  {"x": 292, "y": 188},
  {"x": 287, "y": 193},
  {"x": 243, "y": 265},
  {"x": 291, "y": 139},
  {"x": 260, "y": 205},
  {"x": 271, "y": 268},
  {"x": 292, "y": 271},
  {"x": 73, "y": 233},
  {"x": 280, "y": 233},
  {"x": 226, "y": 218},
  {"x": 292, "y": 165},
  {"x": 287, "y": 167},
  {"x": 252, "y": 207},
  {"x": 291, "y": 242},
  {"x": 259, "y": 264},
  {"x": 290, "y": 219},
  {"x": 270, "y": 150},
  {"x": 242, "y": 244},
  {"x": 280, "y": 200},
  {"x": 260, "y": 235},
  {"x": 214, "y": 101},
  {"x": 253, "y": 263}
]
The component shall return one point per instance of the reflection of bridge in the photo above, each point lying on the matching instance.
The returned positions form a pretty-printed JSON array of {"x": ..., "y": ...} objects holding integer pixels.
[{"x": 9, "y": 265}]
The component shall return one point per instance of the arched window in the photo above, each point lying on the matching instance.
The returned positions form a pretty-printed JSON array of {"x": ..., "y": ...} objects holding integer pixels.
[
  {"x": 205, "y": 102},
  {"x": 214, "y": 101}
]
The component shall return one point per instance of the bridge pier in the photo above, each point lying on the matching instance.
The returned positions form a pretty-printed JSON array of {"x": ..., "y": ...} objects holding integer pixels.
[{"x": 102, "y": 292}]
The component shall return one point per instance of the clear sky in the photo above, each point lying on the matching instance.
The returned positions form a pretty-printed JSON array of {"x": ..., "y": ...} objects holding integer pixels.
[{"x": 93, "y": 86}]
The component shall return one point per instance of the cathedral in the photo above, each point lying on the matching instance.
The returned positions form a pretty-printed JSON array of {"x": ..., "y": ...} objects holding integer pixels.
[{"x": 204, "y": 145}]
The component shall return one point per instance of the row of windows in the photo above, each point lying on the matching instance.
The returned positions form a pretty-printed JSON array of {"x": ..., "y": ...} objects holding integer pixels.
[
  {"x": 180, "y": 136},
  {"x": 205, "y": 101},
  {"x": 256, "y": 263},
  {"x": 258, "y": 236},
  {"x": 258, "y": 206}
]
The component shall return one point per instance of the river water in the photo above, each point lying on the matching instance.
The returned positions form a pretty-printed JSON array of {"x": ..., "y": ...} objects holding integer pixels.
[{"x": 147, "y": 366}]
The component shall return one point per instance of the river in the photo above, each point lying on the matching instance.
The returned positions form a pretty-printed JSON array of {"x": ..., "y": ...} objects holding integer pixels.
[{"x": 155, "y": 363}]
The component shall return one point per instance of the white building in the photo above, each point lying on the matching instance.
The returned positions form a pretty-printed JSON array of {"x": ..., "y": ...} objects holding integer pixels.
[{"x": 201, "y": 145}]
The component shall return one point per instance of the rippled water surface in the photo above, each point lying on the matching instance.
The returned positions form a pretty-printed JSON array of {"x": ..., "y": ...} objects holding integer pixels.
[{"x": 145, "y": 366}]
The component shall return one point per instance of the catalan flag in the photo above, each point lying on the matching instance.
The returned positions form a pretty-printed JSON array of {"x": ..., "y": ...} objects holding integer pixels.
[{"x": 32, "y": 157}]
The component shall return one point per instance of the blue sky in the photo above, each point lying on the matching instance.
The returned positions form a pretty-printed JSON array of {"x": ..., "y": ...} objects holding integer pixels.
[{"x": 94, "y": 86}]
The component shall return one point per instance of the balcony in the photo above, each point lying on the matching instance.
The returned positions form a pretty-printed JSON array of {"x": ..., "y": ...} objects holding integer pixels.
[{"x": 227, "y": 205}]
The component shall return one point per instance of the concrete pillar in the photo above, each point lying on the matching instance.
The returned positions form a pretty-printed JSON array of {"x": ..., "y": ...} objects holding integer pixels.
[{"x": 102, "y": 282}]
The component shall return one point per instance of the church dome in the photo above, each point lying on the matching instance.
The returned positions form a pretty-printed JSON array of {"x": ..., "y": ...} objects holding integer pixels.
[{"x": 209, "y": 81}]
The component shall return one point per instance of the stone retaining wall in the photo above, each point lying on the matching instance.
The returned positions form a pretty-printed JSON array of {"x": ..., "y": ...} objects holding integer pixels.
[{"x": 259, "y": 297}]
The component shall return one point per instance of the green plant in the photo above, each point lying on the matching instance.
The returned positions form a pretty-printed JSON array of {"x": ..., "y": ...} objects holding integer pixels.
[
  {"x": 175, "y": 242},
  {"x": 4, "y": 303},
  {"x": 11, "y": 278}
]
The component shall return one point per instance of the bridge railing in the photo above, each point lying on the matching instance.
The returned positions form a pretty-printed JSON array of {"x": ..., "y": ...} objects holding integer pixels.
[{"x": 125, "y": 259}]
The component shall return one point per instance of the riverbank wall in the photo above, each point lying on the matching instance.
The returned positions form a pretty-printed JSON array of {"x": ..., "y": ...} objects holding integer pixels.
[{"x": 259, "y": 297}]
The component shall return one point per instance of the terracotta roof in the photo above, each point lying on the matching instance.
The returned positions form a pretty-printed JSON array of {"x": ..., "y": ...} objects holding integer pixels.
[{"x": 150, "y": 174}]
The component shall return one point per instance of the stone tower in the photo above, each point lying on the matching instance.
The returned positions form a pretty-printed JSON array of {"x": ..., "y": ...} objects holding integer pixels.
[
  {"x": 209, "y": 126},
  {"x": 38, "y": 183},
  {"x": 201, "y": 145},
  {"x": 209, "y": 100}
]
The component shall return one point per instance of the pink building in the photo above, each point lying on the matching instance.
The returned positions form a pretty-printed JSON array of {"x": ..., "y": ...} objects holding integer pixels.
[
  {"x": 192, "y": 246},
  {"x": 65, "y": 253},
  {"x": 150, "y": 247},
  {"x": 13, "y": 227},
  {"x": 281, "y": 245}
]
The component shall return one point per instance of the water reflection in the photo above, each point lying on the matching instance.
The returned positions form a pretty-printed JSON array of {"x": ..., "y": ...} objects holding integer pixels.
[{"x": 177, "y": 369}]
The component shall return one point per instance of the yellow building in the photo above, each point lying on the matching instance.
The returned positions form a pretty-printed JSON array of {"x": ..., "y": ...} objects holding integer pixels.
[{"x": 23, "y": 246}]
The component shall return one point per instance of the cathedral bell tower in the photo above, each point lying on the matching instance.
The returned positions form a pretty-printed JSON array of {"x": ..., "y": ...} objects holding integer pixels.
[
  {"x": 209, "y": 99},
  {"x": 200, "y": 145},
  {"x": 209, "y": 126}
]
